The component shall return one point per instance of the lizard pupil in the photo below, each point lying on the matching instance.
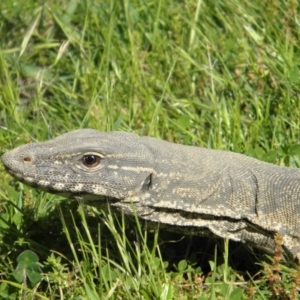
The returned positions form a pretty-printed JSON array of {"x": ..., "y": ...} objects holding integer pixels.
[{"x": 91, "y": 160}]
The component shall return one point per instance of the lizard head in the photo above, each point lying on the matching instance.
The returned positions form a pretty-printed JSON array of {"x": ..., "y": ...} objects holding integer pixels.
[{"x": 84, "y": 163}]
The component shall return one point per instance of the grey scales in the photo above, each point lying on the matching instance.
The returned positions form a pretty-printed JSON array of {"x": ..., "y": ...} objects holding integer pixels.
[{"x": 187, "y": 188}]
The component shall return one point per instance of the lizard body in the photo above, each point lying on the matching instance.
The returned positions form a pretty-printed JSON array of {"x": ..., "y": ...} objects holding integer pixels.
[{"x": 196, "y": 190}]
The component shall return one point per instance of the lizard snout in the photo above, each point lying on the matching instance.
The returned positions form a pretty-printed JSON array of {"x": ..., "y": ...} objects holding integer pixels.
[{"x": 14, "y": 161}]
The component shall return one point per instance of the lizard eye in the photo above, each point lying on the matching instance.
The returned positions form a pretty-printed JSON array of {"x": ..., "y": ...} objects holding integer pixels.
[{"x": 91, "y": 160}]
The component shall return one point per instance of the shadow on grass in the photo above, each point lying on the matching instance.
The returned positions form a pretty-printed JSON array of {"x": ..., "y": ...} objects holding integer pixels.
[{"x": 46, "y": 235}]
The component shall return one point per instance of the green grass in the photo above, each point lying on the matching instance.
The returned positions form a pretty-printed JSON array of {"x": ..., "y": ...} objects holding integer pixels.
[{"x": 218, "y": 74}]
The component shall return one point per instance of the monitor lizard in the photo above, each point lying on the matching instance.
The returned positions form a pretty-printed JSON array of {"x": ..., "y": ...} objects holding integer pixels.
[{"x": 186, "y": 188}]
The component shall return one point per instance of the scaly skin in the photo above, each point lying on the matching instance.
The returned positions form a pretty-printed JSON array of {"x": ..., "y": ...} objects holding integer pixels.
[{"x": 191, "y": 189}]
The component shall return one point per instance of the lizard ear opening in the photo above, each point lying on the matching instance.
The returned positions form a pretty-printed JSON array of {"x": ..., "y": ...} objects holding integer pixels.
[{"x": 147, "y": 183}]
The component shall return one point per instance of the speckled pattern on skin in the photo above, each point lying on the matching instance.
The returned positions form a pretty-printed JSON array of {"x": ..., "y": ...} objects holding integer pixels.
[{"x": 189, "y": 189}]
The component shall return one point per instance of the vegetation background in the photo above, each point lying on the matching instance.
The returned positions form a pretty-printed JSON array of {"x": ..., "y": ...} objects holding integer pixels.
[{"x": 222, "y": 74}]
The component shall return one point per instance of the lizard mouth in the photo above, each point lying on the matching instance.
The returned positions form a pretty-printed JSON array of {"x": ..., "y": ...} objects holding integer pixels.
[{"x": 68, "y": 190}]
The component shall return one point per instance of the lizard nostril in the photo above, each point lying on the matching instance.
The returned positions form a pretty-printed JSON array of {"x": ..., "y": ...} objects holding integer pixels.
[{"x": 27, "y": 159}]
